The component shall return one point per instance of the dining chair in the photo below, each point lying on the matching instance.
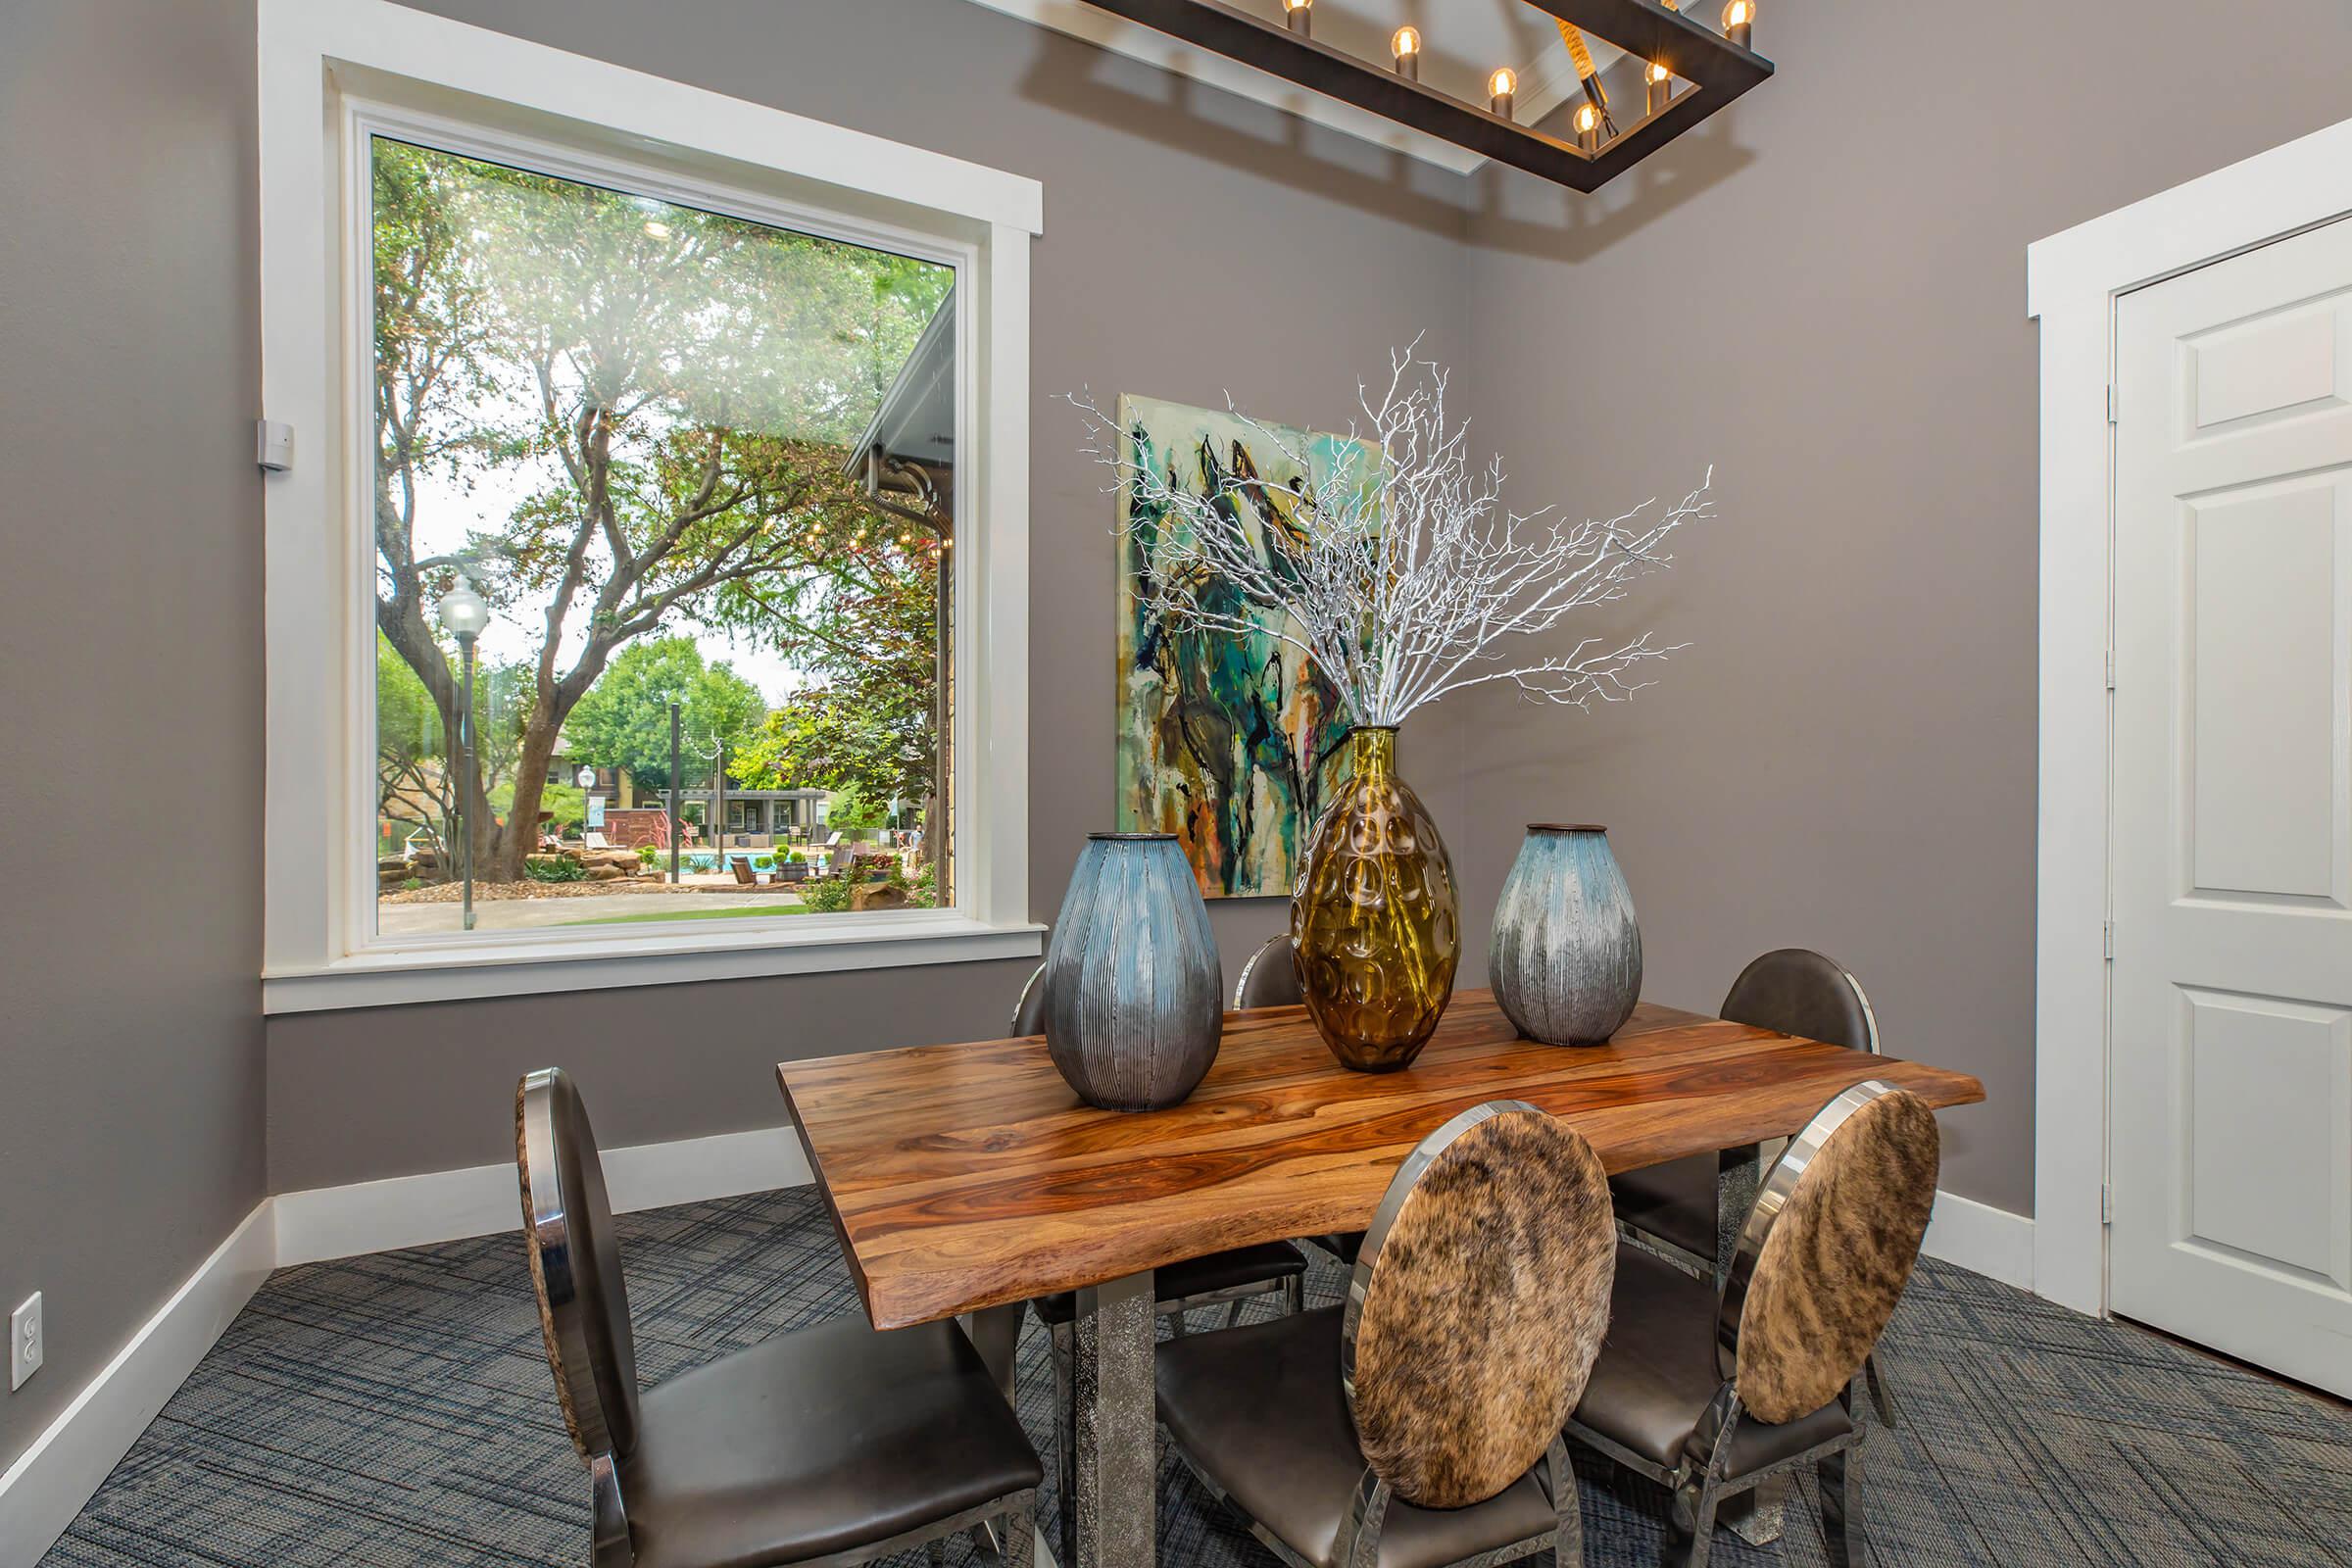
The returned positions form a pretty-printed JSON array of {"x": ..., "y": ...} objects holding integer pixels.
[
  {"x": 1793, "y": 991},
  {"x": 1712, "y": 1391},
  {"x": 833, "y": 1445},
  {"x": 1270, "y": 979},
  {"x": 1229, "y": 1278},
  {"x": 1420, "y": 1424}
]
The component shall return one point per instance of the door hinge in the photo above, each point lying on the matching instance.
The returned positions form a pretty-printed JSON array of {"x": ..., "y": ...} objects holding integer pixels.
[
  {"x": 2111, "y": 670},
  {"x": 2108, "y": 935},
  {"x": 2106, "y": 1203},
  {"x": 2111, "y": 403}
]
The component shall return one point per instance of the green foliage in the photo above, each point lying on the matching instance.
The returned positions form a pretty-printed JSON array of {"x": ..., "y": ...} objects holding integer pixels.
[
  {"x": 853, "y": 810},
  {"x": 672, "y": 390},
  {"x": 647, "y": 855},
  {"x": 554, "y": 868},
  {"x": 826, "y": 895},
  {"x": 871, "y": 635},
  {"x": 624, "y": 719},
  {"x": 565, "y": 804}
]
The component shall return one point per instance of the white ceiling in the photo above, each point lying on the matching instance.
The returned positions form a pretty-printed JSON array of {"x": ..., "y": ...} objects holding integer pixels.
[{"x": 1462, "y": 42}]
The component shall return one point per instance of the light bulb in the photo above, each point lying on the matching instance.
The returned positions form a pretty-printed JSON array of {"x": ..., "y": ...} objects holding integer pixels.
[
  {"x": 1503, "y": 83},
  {"x": 1588, "y": 119},
  {"x": 1406, "y": 47},
  {"x": 1300, "y": 14},
  {"x": 463, "y": 613},
  {"x": 1657, "y": 84},
  {"x": 1658, "y": 73},
  {"x": 1739, "y": 20}
]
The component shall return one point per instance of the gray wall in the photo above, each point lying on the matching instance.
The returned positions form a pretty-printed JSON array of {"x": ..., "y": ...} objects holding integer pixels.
[
  {"x": 130, "y": 666},
  {"x": 1193, "y": 242},
  {"x": 1824, "y": 293}
]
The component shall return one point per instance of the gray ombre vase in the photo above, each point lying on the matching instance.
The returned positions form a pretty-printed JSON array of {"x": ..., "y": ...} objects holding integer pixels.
[
  {"x": 1566, "y": 959},
  {"x": 1135, "y": 994}
]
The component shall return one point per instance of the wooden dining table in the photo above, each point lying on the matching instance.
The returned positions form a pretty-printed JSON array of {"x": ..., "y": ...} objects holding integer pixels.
[{"x": 969, "y": 1179}]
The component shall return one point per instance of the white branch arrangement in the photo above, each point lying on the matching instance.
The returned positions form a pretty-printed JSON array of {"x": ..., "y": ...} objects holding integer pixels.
[{"x": 1404, "y": 577}]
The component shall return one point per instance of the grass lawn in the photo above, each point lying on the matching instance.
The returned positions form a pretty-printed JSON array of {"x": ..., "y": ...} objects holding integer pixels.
[{"x": 733, "y": 912}]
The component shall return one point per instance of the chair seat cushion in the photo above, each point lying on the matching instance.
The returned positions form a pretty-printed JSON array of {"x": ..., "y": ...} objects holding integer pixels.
[
  {"x": 1259, "y": 1410},
  {"x": 818, "y": 1442},
  {"x": 1231, "y": 1269},
  {"x": 1655, "y": 1376},
  {"x": 1674, "y": 1202}
]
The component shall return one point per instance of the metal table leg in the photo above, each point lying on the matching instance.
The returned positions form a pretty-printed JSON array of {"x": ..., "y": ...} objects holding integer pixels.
[{"x": 1118, "y": 1501}]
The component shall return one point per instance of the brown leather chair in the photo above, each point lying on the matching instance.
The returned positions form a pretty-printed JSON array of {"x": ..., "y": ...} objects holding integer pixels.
[
  {"x": 835, "y": 1444},
  {"x": 1270, "y": 979},
  {"x": 1420, "y": 1424},
  {"x": 1793, "y": 991},
  {"x": 1712, "y": 1391}
]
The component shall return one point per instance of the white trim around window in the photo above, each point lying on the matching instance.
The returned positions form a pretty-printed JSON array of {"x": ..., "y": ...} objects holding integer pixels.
[
  {"x": 331, "y": 71},
  {"x": 2073, "y": 281}
]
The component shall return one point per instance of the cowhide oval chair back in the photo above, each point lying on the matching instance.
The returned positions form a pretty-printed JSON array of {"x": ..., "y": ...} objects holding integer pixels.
[
  {"x": 1823, "y": 1260},
  {"x": 1479, "y": 1301},
  {"x": 1790, "y": 991},
  {"x": 1828, "y": 1249},
  {"x": 1421, "y": 1422},
  {"x": 742, "y": 1462}
]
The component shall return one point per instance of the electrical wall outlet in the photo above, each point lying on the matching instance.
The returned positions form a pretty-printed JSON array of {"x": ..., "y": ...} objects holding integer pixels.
[{"x": 26, "y": 1343}]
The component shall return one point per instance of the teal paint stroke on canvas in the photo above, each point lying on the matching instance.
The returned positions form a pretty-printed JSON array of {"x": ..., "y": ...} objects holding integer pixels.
[{"x": 1231, "y": 741}]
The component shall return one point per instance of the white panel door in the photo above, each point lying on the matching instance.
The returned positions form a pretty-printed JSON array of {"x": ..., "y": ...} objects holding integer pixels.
[{"x": 2230, "y": 1067}]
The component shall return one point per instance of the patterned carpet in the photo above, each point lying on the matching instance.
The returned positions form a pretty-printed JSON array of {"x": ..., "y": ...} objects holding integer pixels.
[{"x": 395, "y": 1410}]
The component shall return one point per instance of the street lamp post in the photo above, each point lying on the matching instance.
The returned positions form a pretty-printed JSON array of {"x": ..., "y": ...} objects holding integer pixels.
[
  {"x": 673, "y": 795},
  {"x": 464, "y": 616}
]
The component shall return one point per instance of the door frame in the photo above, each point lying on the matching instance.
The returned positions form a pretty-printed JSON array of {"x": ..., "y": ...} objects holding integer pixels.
[{"x": 2073, "y": 282}]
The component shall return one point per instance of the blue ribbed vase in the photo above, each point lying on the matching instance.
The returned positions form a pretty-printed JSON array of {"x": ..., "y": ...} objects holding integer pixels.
[
  {"x": 1566, "y": 959},
  {"x": 1134, "y": 989}
]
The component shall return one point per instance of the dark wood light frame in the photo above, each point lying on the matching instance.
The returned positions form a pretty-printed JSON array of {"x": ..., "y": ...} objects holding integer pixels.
[{"x": 1714, "y": 70}]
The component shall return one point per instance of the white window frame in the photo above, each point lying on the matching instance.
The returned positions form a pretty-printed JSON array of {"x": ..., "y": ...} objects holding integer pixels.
[
  {"x": 333, "y": 74},
  {"x": 2073, "y": 282}
]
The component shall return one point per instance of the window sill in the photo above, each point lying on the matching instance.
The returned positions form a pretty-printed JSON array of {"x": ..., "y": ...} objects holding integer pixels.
[{"x": 529, "y": 963}]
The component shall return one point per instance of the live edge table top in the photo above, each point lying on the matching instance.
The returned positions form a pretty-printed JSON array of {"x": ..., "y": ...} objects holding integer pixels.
[{"x": 967, "y": 1176}]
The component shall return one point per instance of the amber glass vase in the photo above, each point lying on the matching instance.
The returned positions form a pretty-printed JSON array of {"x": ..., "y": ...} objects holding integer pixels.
[{"x": 1374, "y": 916}]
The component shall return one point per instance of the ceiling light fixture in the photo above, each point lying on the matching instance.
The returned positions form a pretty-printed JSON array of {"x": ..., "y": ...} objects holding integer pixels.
[{"x": 1709, "y": 70}]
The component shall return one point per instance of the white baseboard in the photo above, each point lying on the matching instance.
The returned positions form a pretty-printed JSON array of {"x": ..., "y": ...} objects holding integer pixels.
[
  {"x": 447, "y": 1206},
  {"x": 49, "y": 1482},
  {"x": 1988, "y": 1241}
]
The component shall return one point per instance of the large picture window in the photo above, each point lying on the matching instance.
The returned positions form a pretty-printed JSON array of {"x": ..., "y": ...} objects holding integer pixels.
[
  {"x": 648, "y": 588},
  {"x": 669, "y": 493}
]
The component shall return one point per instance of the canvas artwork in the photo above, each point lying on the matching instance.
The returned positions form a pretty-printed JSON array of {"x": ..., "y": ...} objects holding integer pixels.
[{"x": 1229, "y": 741}]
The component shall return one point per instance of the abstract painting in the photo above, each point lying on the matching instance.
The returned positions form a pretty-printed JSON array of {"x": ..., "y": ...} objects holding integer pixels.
[{"x": 1229, "y": 741}]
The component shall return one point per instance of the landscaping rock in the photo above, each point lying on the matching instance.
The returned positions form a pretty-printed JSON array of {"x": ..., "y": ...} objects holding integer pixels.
[{"x": 877, "y": 896}]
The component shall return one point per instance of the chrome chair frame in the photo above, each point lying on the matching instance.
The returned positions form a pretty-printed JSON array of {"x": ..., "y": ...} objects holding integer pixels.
[
  {"x": 1700, "y": 1490},
  {"x": 1368, "y": 1511},
  {"x": 1008, "y": 1522}
]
